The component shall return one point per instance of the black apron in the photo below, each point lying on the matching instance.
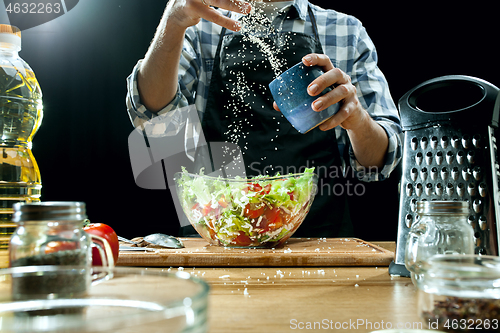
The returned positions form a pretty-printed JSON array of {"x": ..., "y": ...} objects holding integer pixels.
[{"x": 267, "y": 140}]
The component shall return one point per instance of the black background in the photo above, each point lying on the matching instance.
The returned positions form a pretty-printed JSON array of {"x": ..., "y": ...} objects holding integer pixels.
[{"x": 82, "y": 59}]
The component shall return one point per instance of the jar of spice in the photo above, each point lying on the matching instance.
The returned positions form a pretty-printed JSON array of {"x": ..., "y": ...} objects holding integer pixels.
[
  {"x": 50, "y": 233},
  {"x": 442, "y": 228},
  {"x": 459, "y": 293}
]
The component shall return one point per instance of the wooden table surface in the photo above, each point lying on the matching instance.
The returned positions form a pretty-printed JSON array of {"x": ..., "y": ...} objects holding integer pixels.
[
  {"x": 291, "y": 299},
  {"x": 311, "y": 299}
]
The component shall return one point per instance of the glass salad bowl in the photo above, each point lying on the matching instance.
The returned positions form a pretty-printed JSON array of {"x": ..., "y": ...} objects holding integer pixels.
[{"x": 261, "y": 211}]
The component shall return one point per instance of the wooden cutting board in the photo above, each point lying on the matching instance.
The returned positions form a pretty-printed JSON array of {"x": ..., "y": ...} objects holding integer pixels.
[{"x": 295, "y": 252}]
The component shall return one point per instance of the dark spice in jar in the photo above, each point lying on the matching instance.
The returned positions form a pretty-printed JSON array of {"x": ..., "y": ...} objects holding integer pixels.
[
  {"x": 456, "y": 314},
  {"x": 51, "y": 282},
  {"x": 73, "y": 258},
  {"x": 66, "y": 283}
]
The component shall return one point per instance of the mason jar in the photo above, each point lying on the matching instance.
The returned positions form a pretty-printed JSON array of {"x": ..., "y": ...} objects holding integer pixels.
[
  {"x": 459, "y": 293},
  {"x": 50, "y": 233},
  {"x": 441, "y": 228}
]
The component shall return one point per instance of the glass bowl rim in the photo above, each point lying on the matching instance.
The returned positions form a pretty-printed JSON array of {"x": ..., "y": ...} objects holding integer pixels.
[
  {"x": 154, "y": 271},
  {"x": 246, "y": 180},
  {"x": 461, "y": 266}
]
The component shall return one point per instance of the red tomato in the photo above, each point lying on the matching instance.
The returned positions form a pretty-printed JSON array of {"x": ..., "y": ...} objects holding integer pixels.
[
  {"x": 252, "y": 187},
  {"x": 278, "y": 223},
  {"x": 253, "y": 211},
  {"x": 272, "y": 214},
  {"x": 242, "y": 239},
  {"x": 266, "y": 189},
  {"x": 272, "y": 220},
  {"x": 222, "y": 202},
  {"x": 106, "y": 232},
  {"x": 207, "y": 209}
]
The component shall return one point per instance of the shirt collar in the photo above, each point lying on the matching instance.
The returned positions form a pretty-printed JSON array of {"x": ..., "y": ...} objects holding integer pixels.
[{"x": 300, "y": 6}]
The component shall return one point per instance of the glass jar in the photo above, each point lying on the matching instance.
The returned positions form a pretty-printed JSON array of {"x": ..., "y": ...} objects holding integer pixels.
[
  {"x": 459, "y": 293},
  {"x": 50, "y": 233},
  {"x": 441, "y": 228}
]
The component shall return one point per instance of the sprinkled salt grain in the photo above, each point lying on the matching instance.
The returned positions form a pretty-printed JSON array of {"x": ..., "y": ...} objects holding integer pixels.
[
  {"x": 224, "y": 277},
  {"x": 288, "y": 250},
  {"x": 356, "y": 285},
  {"x": 180, "y": 268}
]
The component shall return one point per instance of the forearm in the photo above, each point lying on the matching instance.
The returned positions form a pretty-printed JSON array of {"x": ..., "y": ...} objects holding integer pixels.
[
  {"x": 157, "y": 77},
  {"x": 369, "y": 142}
]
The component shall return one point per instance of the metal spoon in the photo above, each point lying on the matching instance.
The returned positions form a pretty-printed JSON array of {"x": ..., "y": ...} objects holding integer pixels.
[
  {"x": 164, "y": 240},
  {"x": 158, "y": 239}
]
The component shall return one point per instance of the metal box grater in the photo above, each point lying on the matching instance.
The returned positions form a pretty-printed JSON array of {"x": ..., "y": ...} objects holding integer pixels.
[{"x": 450, "y": 128}]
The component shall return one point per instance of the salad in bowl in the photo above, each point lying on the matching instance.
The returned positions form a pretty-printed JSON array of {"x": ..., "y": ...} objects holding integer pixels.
[{"x": 262, "y": 211}]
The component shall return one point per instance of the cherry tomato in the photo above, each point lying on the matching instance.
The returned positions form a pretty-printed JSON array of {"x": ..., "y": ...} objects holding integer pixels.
[
  {"x": 222, "y": 202},
  {"x": 272, "y": 214},
  {"x": 278, "y": 223},
  {"x": 106, "y": 232},
  {"x": 253, "y": 187},
  {"x": 266, "y": 189},
  {"x": 271, "y": 221},
  {"x": 242, "y": 239},
  {"x": 207, "y": 209},
  {"x": 253, "y": 211}
]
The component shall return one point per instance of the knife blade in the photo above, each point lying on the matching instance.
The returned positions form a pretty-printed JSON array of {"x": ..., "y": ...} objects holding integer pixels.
[{"x": 130, "y": 248}]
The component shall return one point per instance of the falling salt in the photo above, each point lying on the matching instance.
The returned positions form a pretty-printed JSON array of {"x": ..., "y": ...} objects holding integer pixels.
[{"x": 254, "y": 27}]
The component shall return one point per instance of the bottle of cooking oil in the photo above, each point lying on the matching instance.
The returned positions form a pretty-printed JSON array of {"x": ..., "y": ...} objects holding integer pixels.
[{"x": 20, "y": 117}]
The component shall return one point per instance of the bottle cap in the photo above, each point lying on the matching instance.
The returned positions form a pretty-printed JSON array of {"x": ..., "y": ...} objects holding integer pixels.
[
  {"x": 49, "y": 210},
  {"x": 442, "y": 207},
  {"x": 10, "y": 34}
]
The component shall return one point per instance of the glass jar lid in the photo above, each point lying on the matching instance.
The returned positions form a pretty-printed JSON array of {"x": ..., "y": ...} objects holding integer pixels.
[
  {"x": 49, "y": 210},
  {"x": 471, "y": 276},
  {"x": 442, "y": 207}
]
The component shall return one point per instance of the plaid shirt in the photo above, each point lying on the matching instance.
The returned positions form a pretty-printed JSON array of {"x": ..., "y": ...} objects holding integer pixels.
[{"x": 344, "y": 40}]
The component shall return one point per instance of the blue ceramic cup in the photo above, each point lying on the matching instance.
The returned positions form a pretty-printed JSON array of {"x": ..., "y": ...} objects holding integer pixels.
[{"x": 289, "y": 91}]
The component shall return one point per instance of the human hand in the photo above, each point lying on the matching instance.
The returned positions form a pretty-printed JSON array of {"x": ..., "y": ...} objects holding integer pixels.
[
  {"x": 186, "y": 13},
  {"x": 351, "y": 114}
]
